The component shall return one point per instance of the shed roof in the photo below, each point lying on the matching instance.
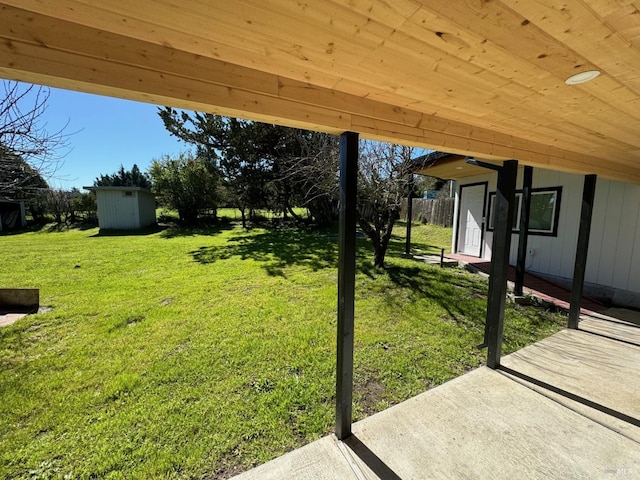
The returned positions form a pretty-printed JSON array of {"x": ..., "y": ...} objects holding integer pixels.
[
  {"x": 120, "y": 189},
  {"x": 485, "y": 79},
  {"x": 10, "y": 200}
]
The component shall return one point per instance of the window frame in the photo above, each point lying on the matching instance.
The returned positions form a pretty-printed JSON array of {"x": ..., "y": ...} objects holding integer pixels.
[{"x": 553, "y": 232}]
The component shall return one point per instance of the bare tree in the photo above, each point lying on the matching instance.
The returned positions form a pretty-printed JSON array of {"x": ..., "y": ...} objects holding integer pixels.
[
  {"x": 383, "y": 181},
  {"x": 310, "y": 174},
  {"x": 29, "y": 152},
  {"x": 58, "y": 204}
]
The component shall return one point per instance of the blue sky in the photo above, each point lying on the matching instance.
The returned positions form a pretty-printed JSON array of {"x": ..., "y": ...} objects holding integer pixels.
[{"x": 109, "y": 132}]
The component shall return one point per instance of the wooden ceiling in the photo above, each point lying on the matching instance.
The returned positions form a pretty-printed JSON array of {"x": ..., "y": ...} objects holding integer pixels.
[{"x": 474, "y": 77}]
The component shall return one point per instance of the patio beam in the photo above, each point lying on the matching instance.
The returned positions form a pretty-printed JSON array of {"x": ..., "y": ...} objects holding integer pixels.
[
  {"x": 505, "y": 193},
  {"x": 523, "y": 239},
  {"x": 346, "y": 282},
  {"x": 580, "y": 266}
]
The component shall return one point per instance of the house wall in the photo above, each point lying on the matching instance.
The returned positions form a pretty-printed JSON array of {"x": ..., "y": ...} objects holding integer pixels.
[
  {"x": 118, "y": 211},
  {"x": 613, "y": 263},
  {"x": 146, "y": 209}
]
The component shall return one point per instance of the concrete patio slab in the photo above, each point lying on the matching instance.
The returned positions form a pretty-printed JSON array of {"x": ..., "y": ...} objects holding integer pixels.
[
  {"x": 493, "y": 424},
  {"x": 10, "y": 318}
]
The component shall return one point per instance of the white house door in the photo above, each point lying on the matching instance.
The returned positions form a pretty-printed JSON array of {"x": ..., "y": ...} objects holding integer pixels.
[{"x": 472, "y": 200}]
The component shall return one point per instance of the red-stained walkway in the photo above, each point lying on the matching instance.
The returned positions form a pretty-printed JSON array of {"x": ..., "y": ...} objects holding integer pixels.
[{"x": 533, "y": 285}]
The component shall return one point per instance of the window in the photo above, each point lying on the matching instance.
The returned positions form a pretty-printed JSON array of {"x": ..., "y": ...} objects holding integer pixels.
[
  {"x": 128, "y": 194},
  {"x": 543, "y": 217},
  {"x": 516, "y": 211}
]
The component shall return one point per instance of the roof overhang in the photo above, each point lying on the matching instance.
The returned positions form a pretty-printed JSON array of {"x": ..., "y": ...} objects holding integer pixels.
[
  {"x": 449, "y": 166},
  {"x": 117, "y": 189},
  {"x": 485, "y": 79}
]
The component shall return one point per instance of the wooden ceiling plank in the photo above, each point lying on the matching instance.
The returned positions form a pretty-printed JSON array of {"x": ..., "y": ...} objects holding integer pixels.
[
  {"x": 625, "y": 22},
  {"x": 30, "y": 46},
  {"x": 408, "y": 91},
  {"x": 426, "y": 105},
  {"x": 566, "y": 135},
  {"x": 140, "y": 96},
  {"x": 121, "y": 77},
  {"x": 477, "y": 48},
  {"x": 249, "y": 55},
  {"x": 530, "y": 40},
  {"x": 510, "y": 94},
  {"x": 502, "y": 26},
  {"x": 576, "y": 25},
  {"x": 180, "y": 91},
  {"x": 365, "y": 73},
  {"x": 380, "y": 130},
  {"x": 602, "y": 115},
  {"x": 604, "y": 8},
  {"x": 328, "y": 16},
  {"x": 542, "y": 73},
  {"x": 19, "y": 25},
  {"x": 185, "y": 67},
  {"x": 393, "y": 13},
  {"x": 277, "y": 55}
]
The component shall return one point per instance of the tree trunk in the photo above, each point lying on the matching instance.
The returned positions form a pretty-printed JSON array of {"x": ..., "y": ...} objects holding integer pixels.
[
  {"x": 293, "y": 214},
  {"x": 379, "y": 252},
  {"x": 380, "y": 235},
  {"x": 244, "y": 218},
  {"x": 188, "y": 216}
]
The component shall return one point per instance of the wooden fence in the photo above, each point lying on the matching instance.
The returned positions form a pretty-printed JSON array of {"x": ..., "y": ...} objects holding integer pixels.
[{"x": 436, "y": 212}]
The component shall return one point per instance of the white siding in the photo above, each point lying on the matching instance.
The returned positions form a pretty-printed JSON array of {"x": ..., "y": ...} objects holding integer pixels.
[
  {"x": 118, "y": 211},
  {"x": 627, "y": 238},
  {"x": 614, "y": 259},
  {"x": 147, "y": 209},
  {"x": 614, "y": 248},
  {"x": 597, "y": 222},
  {"x": 634, "y": 266}
]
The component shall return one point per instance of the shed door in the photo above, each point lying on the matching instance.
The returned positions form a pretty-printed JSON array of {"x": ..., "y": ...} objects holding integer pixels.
[{"x": 472, "y": 200}]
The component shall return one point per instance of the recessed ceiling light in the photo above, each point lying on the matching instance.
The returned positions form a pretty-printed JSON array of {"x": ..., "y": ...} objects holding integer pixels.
[
  {"x": 459, "y": 168},
  {"x": 582, "y": 77}
]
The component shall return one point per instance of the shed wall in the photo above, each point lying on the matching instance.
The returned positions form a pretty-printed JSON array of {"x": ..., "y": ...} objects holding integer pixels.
[
  {"x": 117, "y": 211},
  {"x": 146, "y": 209}
]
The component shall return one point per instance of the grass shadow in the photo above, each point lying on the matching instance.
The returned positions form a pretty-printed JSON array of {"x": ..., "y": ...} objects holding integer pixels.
[
  {"x": 277, "y": 248},
  {"x": 49, "y": 227},
  {"x": 175, "y": 230},
  {"x": 103, "y": 232},
  {"x": 462, "y": 298}
]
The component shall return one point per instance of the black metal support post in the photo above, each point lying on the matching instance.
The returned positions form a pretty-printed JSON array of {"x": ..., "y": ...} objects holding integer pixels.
[
  {"x": 525, "y": 212},
  {"x": 346, "y": 282},
  {"x": 407, "y": 245},
  {"x": 500, "y": 261},
  {"x": 588, "y": 194}
]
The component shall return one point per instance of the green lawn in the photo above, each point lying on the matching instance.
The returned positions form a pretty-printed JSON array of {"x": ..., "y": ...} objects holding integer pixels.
[{"x": 200, "y": 353}]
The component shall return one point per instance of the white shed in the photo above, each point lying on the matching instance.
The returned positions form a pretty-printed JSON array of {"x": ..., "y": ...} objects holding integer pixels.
[{"x": 124, "y": 208}]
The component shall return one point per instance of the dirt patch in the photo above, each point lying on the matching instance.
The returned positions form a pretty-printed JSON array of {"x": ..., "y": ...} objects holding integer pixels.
[
  {"x": 225, "y": 469},
  {"x": 371, "y": 394}
]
